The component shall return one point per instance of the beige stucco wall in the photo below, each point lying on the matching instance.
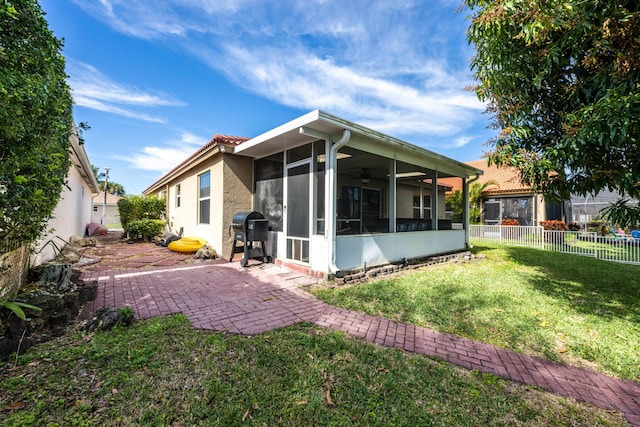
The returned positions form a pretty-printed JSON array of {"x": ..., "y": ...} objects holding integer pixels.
[
  {"x": 404, "y": 201},
  {"x": 186, "y": 216},
  {"x": 540, "y": 209},
  {"x": 236, "y": 196},
  {"x": 404, "y": 198},
  {"x": 231, "y": 184}
]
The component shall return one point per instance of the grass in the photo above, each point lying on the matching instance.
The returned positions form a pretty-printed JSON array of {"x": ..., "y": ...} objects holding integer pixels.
[
  {"x": 609, "y": 248},
  {"x": 163, "y": 372},
  {"x": 568, "y": 308}
]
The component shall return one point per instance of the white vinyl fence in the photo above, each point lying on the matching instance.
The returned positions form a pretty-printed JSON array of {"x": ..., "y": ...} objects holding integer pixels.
[{"x": 609, "y": 248}]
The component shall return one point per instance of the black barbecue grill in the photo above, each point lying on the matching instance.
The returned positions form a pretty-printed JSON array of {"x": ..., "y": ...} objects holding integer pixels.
[{"x": 249, "y": 227}]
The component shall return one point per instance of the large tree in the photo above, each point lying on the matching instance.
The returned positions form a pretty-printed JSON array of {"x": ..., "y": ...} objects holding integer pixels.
[
  {"x": 35, "y": 121},
  {"x": 562, "y": 81}
]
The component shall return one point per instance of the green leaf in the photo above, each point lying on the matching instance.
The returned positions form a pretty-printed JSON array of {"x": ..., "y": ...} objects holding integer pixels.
[{"x": 17, "y": 308}]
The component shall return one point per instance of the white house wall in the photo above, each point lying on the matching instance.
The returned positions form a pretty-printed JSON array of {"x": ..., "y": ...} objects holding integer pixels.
[
  {"x": 375, "y": 249},
  {"x": 71, "y": 216},
  {"x": 113, "y": 213},
  {"x": 319, "y": 252}
]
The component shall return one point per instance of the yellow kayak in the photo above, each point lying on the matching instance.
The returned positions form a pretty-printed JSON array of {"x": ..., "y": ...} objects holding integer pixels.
[{"x": 187, "y": 244}]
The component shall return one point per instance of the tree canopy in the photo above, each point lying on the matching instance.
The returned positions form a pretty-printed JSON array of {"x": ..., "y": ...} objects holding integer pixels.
[
  {"x": 35, "y": 121},
  {"x": 562, "y": 82}
]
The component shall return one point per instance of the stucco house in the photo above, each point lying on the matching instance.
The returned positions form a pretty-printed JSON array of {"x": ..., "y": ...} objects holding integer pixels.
[
  {"x": 112, "y": 218},
  {"x": 338, "y": 196},
  {"x": 508, "y": 198},
  {"x": 73, "y": 212}
]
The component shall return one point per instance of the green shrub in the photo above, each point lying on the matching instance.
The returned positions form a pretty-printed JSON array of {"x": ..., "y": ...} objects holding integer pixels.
[
  {"x": 146, "y": 229},
  {"x": 134, "y": 208},
  {"x": 35, "y": 121}
]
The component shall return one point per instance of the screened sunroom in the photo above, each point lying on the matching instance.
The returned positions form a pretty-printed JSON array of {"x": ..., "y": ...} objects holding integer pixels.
[{"x": 340, "y": 196}]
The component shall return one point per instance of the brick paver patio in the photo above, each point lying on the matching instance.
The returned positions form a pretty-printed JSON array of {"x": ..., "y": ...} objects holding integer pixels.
[{"x": 226, "y": 297}]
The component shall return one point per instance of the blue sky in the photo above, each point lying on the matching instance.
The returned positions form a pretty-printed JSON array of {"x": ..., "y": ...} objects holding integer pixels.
[{"x": 156, "y": 80}]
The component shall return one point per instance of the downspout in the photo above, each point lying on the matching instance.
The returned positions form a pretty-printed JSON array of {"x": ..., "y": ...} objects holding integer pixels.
[
  {"x": 467, "y": 234},
  {"x": 330, "y": 196}
]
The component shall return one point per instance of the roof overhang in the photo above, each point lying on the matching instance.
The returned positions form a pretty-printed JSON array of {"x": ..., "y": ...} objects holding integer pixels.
[
  {"x": 321, "y": 125},
  {"x": 78, "y": 156}
]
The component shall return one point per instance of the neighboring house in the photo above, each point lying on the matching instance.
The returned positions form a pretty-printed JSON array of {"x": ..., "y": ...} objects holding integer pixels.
[
  {"x": 112, "y": 219},
  {"x": 509, "y": 198},
  {"x": 583, "y": 209},
  {"x": 338, "y": 196},
  {"x": 73, "y": 212}
]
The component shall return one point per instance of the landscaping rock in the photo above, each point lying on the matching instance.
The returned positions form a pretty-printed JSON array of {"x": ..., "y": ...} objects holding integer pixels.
[
  {"x": 206, "y": 252},
  {"x": 105, "y": 319},
  {"x": 68, "y": 255},
  {"x": 83, "y": 241},
  {"x": 59, "y": 310},
  {"x": 58, "y": 275}
]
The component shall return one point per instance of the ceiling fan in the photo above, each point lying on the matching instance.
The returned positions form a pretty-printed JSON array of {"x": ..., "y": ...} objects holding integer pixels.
[{"x": 364, "y": 176}]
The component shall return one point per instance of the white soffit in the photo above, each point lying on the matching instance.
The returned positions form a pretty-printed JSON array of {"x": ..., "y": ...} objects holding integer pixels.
[{"x": 289, "y": 136}]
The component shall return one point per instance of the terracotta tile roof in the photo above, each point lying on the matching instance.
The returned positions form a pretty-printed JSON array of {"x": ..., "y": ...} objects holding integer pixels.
[
  {"x": 453, "y": 183},
  {"x": 215, "y": 141},
  {"x": 508, "y": 179},
  {"x": 111, "y": 199},
  {"x": 228, "y": 139},
  {"x": 442, "y": 183}
]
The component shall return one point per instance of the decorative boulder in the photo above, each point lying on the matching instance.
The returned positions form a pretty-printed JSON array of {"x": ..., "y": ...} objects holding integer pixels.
[
  {"x": 106, "y": 318},
  {"x": 69, "y": 255},
  {"x": 83, "y": 241},
  {"x": 206, "y": 252}
]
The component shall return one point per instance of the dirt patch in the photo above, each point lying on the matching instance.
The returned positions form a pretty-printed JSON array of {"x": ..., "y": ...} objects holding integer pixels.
[{"x": 113, "y": 252}]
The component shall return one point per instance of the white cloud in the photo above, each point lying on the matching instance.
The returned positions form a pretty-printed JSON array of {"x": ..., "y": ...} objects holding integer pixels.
[
  {"x": 462, "y": 141},
  {"x": 302, "y": 80},
  {"x": 92, "y": 89},
  {"x": 399, "y": 67},
  {"x": 165, "y": 157}
]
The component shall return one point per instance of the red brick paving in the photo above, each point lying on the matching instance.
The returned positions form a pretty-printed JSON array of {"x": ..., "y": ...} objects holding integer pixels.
[{"x": 226, "y": 297}]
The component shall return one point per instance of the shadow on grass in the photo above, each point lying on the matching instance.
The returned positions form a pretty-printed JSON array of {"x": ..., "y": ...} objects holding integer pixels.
[{"x": 589, "y": 286}]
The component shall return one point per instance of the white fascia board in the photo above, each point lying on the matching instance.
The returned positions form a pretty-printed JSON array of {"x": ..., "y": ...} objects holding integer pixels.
[
  {"x": 452, "y": 165},
  {"x": 80, "y": 154},
  {"x": 276, "y": 132},
  {"x": 334, "y": 125}
]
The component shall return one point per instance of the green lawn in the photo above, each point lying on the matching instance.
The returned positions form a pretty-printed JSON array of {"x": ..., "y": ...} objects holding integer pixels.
[
  {"x": 163, "y": 372},
  {"x": 568, "y": 308}
]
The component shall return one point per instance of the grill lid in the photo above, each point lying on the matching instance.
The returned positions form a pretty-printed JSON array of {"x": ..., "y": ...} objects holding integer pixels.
[{"x": 241, "y": 220}]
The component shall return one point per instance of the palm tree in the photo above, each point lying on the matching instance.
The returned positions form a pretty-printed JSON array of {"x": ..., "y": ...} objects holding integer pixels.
[
  {"x": 112, "y": 187},
  {"x": 475, "y": 201}
]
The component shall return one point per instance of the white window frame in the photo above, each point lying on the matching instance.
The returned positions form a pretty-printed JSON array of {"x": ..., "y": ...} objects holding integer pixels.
[{"x": 204, "y": 198}]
